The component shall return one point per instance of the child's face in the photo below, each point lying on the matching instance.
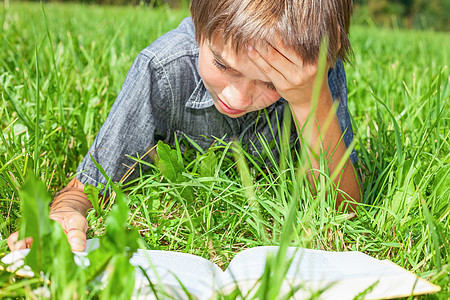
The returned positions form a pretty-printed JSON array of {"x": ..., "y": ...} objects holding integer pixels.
[{"x": 235, "y": 83}]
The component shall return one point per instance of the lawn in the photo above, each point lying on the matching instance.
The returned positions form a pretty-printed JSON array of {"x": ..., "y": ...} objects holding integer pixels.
[{"x": 61, "y": 69}]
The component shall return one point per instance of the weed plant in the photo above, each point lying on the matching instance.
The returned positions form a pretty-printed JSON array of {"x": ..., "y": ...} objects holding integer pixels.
[{"x": 62, "y": 67}]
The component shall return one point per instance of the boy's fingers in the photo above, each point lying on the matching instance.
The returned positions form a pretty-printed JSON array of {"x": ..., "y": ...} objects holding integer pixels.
[
  {"x": 14, "y": 244},
  {"x": 289, "y": 65},
  {"x": 20, "y": 245},
  {"x": 77, "y": 239},
  {"x": 12, "y": 240},
  {"x": 288, "y": 53},
  {"x": 28, "y": 241},
  {"x": 75, "y": 226},
  {"x": 262, "y": 62},
  {"x": 76, "y": 221}
]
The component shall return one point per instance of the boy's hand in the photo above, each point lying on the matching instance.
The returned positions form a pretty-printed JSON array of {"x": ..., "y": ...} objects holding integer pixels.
[
  {"x": 293, "y": 79},
  {"x": 73, "y": 223},
  {"x": 68, "y": 208},
  {"x": 14, "y": 244}
]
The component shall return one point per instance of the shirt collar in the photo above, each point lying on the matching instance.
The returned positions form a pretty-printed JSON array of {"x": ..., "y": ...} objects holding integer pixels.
[{"x": 200, "y": 98}]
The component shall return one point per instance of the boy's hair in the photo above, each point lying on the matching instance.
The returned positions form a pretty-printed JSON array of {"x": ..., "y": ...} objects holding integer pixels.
[{"x": 301, "y": 24}]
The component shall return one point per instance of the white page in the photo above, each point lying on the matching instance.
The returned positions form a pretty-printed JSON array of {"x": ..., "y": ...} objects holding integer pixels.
[
  {"x": 345, "y": 273},
  {"x": 308, "y": 264},
  {"x": 198, "y": 275}
]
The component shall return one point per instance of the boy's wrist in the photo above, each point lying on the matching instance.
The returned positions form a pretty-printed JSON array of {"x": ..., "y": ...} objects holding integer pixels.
[
  {"x": 320, "y": 111},
  {"x": 71, "y": 198}
]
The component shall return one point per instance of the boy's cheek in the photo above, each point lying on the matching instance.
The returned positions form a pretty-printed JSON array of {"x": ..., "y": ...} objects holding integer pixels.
[{"x": 210, "y": 77}]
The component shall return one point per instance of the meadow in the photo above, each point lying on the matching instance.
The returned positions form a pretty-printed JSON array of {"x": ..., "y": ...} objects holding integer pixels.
[{"x": 61, "y": 67}]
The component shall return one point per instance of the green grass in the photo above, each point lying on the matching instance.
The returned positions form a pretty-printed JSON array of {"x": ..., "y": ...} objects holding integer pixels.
[{"x": 60, "y": 73}]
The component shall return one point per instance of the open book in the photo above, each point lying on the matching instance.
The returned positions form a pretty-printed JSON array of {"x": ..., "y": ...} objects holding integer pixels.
[{"x": 342, "y": 275}]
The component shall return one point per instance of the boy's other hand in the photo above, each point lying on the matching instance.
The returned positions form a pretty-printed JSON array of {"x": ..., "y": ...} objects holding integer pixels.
[
  {"x": 293, "y": 79},
  {"x": 14, "y": 243},
  {"x": 68, "y": 208},
  {"x": 73, "y": 223}
]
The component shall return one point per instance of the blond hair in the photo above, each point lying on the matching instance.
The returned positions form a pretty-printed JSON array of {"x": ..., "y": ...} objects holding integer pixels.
[{"x": 301, "y": 24}]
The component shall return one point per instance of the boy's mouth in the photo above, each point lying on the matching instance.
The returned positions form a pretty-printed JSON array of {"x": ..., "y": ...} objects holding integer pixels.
[{"x": 229, "y": 110}]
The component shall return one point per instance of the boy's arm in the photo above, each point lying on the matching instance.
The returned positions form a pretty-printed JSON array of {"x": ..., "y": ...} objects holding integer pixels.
[
  {"x": 294, "y": 82},
  {"x": 331, "y": 140},
  {"x": 68, "y": 208}
]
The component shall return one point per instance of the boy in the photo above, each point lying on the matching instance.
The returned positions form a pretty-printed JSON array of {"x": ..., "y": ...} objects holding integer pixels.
[{"x": 209, "y": 78}]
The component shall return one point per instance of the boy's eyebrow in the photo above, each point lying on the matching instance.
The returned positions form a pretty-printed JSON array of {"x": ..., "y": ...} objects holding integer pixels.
[{"x": 222, "y": 61}]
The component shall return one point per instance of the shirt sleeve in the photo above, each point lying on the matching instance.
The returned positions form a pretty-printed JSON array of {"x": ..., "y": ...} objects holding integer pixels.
[
  {"x": 338, "y": 87},
  {"x": 130, "y": 129}
]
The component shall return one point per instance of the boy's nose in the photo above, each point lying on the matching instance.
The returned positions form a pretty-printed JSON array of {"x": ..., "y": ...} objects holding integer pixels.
[{"x": 239, "y": 94}]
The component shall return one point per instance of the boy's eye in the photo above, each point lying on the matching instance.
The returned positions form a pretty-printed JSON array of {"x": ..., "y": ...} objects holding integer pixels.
[{"x": 219, "y": 65}]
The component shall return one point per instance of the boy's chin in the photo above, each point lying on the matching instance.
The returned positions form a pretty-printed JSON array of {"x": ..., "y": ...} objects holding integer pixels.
[{"x": 234, "y": 116}]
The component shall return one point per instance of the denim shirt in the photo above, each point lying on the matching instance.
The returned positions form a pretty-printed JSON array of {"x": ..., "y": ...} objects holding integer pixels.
[{"x": 163, "y": 95}]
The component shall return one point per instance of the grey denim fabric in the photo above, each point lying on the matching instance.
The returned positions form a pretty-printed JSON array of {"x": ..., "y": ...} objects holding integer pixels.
[{"x": 164, "y": 95}]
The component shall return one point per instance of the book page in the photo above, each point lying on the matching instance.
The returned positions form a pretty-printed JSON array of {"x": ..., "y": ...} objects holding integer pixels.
[
  {"x": 167, "y": 269},
  {"x": 198, "y": 275},
  {"x": 307, "y": 264},
  {"x": 344, "y": 274}
]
